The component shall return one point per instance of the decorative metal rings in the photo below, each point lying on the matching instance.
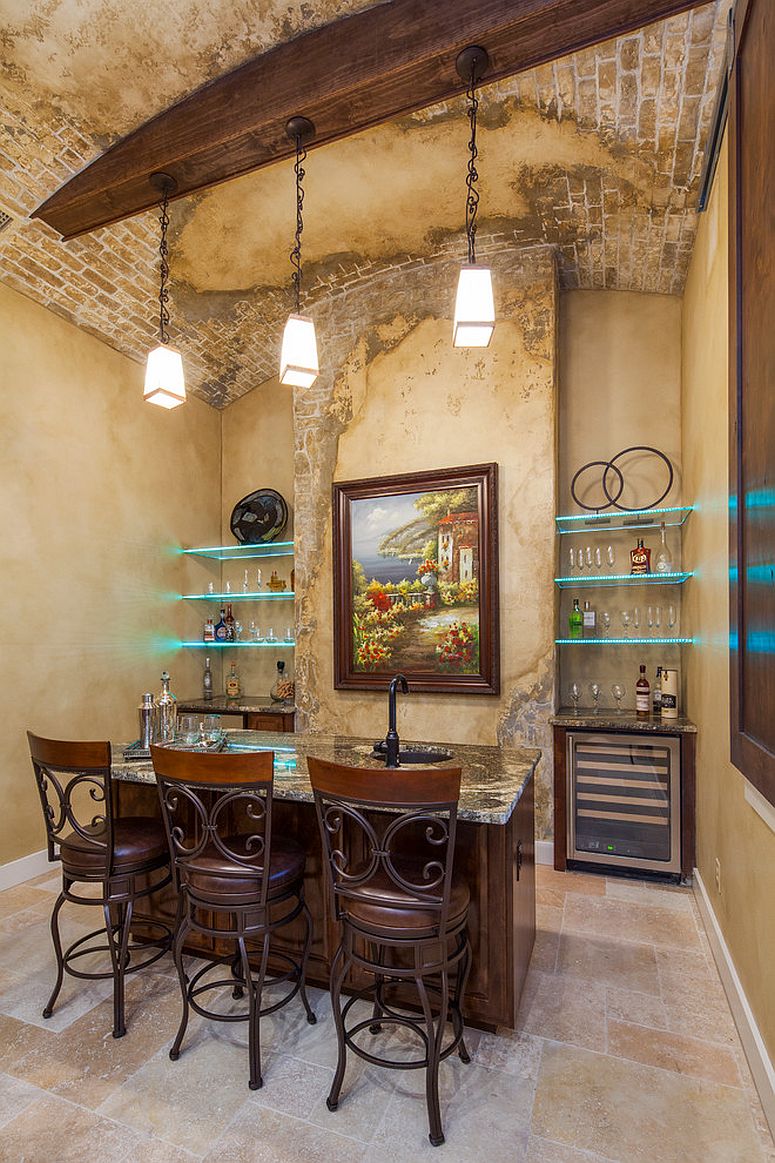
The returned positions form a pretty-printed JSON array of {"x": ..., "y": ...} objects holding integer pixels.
[{"x": 612, "y": 495}]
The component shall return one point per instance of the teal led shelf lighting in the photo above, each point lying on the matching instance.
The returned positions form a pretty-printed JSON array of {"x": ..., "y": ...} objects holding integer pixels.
[
  {"x": 624, "y": 641},
  {"x": 244, "y": 552},
  {"x": 622, "y": 579},
  {"x": 259, "y": 596},
  {"x": 235, "y": 645},
  {"x": 616, "y": 519}
]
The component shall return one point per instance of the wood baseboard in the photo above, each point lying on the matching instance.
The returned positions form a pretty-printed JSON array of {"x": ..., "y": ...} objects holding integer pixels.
[
  {"x": 17, "y": 871},
  {"x": 753, "y": 1044}
]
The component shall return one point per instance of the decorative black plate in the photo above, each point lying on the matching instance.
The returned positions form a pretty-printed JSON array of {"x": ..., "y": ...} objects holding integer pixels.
[{"x": 261, "y": 516}]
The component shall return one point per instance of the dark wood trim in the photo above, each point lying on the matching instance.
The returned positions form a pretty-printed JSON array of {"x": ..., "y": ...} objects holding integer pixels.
[
  {"x": 346, "y": 76},
  {"x": 283, "y": 721},
  {"x": 560, "y": 798},
  {"x": 484, "y": 477},
  {"x": 751, "y": 368},
  {"x": 688, "y": 804}
]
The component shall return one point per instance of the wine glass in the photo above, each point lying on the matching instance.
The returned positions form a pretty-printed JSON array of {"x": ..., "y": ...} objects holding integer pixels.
[
  {"x": 625, "y": 617},
  {"x": 289, "y": 633},
  {"x": 636, "y": 617},
  {"x": 253, "y": 630},
  {"x": 580, "y": 560},
  {"x": 610, "y": 555},
  {"x": 574, "y": 690},
  {"x": 270, "y": 635},
  {"x": 598, "y": 557},
  {"x": 594, "y": 691},
  {"x": 588, "y": 556},
  {"x": 605, "y": 621},
  {"x": 227, "y": 587},
  {"x": 658, "y": 618},
  {"x": 672, "y": 617},
  {"x": 618, "y": 690},
  {"x": 572, "y": 559},
  {"x": 650, "y": 620}
]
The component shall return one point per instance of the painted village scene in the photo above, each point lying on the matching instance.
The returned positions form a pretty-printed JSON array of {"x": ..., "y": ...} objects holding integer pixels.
[{"x": 415, "y": 572}]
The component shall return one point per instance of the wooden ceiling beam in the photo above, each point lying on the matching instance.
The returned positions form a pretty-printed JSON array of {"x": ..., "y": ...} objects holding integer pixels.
[{"x": 346, "y": 76}]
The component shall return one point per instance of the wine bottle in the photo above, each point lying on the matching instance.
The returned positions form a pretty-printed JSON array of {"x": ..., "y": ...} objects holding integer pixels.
[
  {"x": 642, "y": 695},
  {"x": 207, "y": 682},
  {"x": 663, "y": 562},
  {"x": 576, "y": 621}
]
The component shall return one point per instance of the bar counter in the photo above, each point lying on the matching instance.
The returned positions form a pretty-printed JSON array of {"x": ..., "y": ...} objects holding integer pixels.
[{"x": 494, "y": 852}]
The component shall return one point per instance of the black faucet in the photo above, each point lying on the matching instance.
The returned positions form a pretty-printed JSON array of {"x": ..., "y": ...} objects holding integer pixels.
[{"x": 391, "y": 739}]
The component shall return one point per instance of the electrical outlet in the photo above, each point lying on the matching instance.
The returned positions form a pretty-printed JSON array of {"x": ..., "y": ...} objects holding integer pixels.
[{"x": 717, "y": 874}]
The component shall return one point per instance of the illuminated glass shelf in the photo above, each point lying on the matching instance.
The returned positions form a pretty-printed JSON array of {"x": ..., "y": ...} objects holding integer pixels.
[
  {"x": 624, "y": 641},
  {"x": 614, "y": 519},
  {"x": 243, "y": 552},
  {"x": 234, "y": 645},
  {"x": 258, "y": 596},
  {"x": 622, "y": 579}
]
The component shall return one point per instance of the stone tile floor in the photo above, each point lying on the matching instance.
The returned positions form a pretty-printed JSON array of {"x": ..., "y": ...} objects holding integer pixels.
[{"x": 625, "y": 1052}]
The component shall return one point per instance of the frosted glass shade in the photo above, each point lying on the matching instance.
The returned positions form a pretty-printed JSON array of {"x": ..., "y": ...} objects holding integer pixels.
[
  {"x": 299, "y": 356},
  {"x": 474, "y": 307},
  {"x": 164, "y": 382}
]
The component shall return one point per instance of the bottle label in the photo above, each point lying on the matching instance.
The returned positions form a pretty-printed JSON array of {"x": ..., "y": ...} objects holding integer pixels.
[
  {"x": 642, "y": 701},
  {"x": 220, "y": 633},
  {"x": 640, "y": 560}
]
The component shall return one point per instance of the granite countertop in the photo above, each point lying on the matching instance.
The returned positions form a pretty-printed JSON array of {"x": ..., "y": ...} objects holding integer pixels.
[
  {"x": 493, "y": 777},
  {"x": 609, "y": 720},
  {"x": 244, "y": 705}
]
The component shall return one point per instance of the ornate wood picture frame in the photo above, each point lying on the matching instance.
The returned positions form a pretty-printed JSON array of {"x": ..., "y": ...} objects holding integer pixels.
[{"x": 416, "y": 581}]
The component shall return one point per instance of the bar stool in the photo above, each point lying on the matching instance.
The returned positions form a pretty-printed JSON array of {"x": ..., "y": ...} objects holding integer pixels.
[
  {"x": 126, "y": 856},
  {"x": 217, "y": 810},
  {"x": 389, "y": 838}
]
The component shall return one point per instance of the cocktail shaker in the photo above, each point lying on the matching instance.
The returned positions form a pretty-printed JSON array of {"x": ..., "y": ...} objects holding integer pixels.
[{"x": 147, "y": 715}]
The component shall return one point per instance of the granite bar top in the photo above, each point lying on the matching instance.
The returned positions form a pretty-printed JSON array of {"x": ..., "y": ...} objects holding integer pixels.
[
  {"x": 608, "y": 720},
  {"x": 244, "y": 705},
  {"x": 494, "y": 778}
]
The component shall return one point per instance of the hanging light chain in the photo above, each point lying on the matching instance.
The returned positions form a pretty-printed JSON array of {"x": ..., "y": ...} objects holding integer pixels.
[
  {"x": 301, "y": 157},
  {"x": 472, "y": 177},
  {"x": 164, "y": 268}
]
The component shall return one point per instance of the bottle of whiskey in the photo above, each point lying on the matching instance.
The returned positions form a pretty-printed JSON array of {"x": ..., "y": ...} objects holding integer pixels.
[
  {"x": 207, "y": 682},
  {"x": 166, "y": 711},
  {"x": 656, "y": 694},
  {"x": 642, "y": 695},
  {"x": 640, "y": 559},
  {"x": 589, "y": 621},
  {"x": 233, "y": 688},
  {"x": 576, "y": 621},
  {"x": 220, "y": 627},
  {"x": 663, "y": 562},
  {"x": 231, "y": 634}
]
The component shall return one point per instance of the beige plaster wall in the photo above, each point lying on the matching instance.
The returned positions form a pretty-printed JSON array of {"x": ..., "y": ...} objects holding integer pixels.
[
  {"x": 727, "y": 827},
  {"x": 96, "y": 491},
  {"x": 257, "y": 444},
  {"x": 620, "y": 386},
  {"x": 404, "y": 399}
]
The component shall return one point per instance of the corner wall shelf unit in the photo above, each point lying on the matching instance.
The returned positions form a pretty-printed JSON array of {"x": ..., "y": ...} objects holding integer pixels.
[
  {"x": 243, "y": 552},
  {"x": 624, "y": 641},
  {"x": 581, "y": 581},
  {"x": 258, "y": 596},
  {"x": 275, "y": 643},
  {"x": 636, "y": 519}
]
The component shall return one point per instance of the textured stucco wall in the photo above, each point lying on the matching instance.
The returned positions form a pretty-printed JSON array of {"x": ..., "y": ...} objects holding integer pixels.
[
  {"x": 727, "y": 827},
  {"x": 97, "y": 489},
  {"x": 401, "y": 399}
]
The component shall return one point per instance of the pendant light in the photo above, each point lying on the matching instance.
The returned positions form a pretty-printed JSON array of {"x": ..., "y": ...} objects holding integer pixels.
[
  {"x": 299, "y": 354},
  {"x": 474, "y": 305},
  {"x": 164, "y": 382}
]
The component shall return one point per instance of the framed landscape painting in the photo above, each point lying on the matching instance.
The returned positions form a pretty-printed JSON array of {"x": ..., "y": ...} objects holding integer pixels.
[{"x": 416, "y": 581}]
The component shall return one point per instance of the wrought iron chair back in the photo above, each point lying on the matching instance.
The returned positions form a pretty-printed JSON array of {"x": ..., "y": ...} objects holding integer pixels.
[
  {"x": 74, "y": 785},
  {"x": 393, "y": 832},
  {"x": 218, "y": 805}
]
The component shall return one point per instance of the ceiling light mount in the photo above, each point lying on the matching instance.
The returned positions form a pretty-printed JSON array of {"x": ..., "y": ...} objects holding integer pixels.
[{"x": 472, "y": 63}]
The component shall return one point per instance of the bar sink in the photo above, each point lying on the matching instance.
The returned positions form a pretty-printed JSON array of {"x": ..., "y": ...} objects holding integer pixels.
[{"x": 416, "y": 754}]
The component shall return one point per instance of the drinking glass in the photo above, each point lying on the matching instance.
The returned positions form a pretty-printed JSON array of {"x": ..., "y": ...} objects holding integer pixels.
[
  {"x": 588, "y": 556},
  {"x": 650, "y": 620},
  {"x": 259, "y": 580},
  {"x": 605, "y": 621},
  {"x": 636, "y": 617},
  {"x": 672, "y": 617},
  {"x": 211, "y": 587},
  {"x": 580, "y": 560},
  {"x": 572, "y": 559},
  {"x": 574, "y": 690},
  {"x": 625, "y": 617},
  {"x": 211, "y": 728},
  {"x": 289, "y": 633},
  {"x": 237, "y": 631},
  {"x": 270, "y": 635},
  {"x": 187, "y": 730},
  {"x": 594, "y": 690},
  {"x": 618, "y": 690},
  {"x": 658, "y": 618},
  {"x": 598, "y": 557},
  {"x": 227, "y": 587},
  {"x": 253, "y": 630},
  {"x": 610, "y": 556}
]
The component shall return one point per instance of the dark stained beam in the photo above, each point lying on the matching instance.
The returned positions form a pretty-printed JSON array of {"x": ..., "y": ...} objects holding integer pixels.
[{"x": 346, "y": 76}]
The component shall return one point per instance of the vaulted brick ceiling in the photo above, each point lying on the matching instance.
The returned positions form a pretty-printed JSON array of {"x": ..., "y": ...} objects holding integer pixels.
[{"x": 597, "y": 156}]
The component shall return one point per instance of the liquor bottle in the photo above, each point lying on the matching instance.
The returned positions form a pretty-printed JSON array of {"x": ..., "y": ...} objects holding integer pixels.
[
  {"x": 589, "y": 622},
  {"x": 576, "y": 621},
  {"x": 656, "y": 694},
  {"x": 221, "y": 632},
  {"x": 231, "y": 635},
  {"x": 640, "y": 559},
  {"x": 642, "y": 695},
  {"x": 207, "y": 681},
  {"x": 166, "y": 711},
  {"x": 233, "y": 688},
  {"x": 663, "y": 562},
  {"x": 669, "y": 692},
  {"x": 208, "y": 634}
]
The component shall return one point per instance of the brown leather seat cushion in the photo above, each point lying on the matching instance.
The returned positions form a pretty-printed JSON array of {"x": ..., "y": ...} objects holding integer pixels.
[
  {"x": 211, "y": 876},
  {"x": 368, "y": 907},
  {"x": 138, "y": 841}
]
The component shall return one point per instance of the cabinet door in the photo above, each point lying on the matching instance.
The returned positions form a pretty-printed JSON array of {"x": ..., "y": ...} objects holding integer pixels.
[{"x": 269, "y": 721}]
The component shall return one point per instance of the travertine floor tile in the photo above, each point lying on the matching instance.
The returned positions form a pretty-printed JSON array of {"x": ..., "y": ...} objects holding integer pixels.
[
  {"x": 292, "y": 1085},
  {"x": 671, "y": 1051},
  {"x": 568, "y": 1009},
  {"x": 630, "y": 1005},
  {"x": 543, "y": 1151},
  {"x": 258, "y": 1135},
  {"x": 513, "y": 1052},
  {"x": 609, "y": 961},
  {"x": 587, "y": 883},
  {"x": 545, "y": 951},
  {"x": 15, "y": 1096},
  {"x": 638, "y": 1114},
  {"x": 629, "y": 921},
  {"x": 53, "y": 1129},
  {"x": 14, "y": 900},
  {"x": 641, "y": 892}
]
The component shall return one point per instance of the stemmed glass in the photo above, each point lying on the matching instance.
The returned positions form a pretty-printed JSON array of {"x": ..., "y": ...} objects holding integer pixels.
[
  {"x": 580, "y": 560},
  {"x": 572, "y": 558},
  {"x": 610, "y": 556},
  {"x": 594, "y": 690},
  {"x": 588, "y": 556},
  {"x": 650, "y": 620},
  {"x": 636, "y": 618},
  {"x": 625, "y": 617},
  {"x": 658, "y": 618},
  {"x": 605, "y": 621},
  {"x": 618, "y": 690},
  {"x": 598, "y": 557},
  {"x": 574, "y": 690},
  {"x": 672, "y": 617}
]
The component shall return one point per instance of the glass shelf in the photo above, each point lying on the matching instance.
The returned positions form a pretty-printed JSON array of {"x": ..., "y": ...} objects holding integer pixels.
[
  {"x": 622, "y": 579},
  {"x": 243, "y": 552},
  {"x": 281, "y": 642},
  {"x": 614, "y": 519},
  {"x": 259, "y": 596},
  {"x": 624, "y": 641}
]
